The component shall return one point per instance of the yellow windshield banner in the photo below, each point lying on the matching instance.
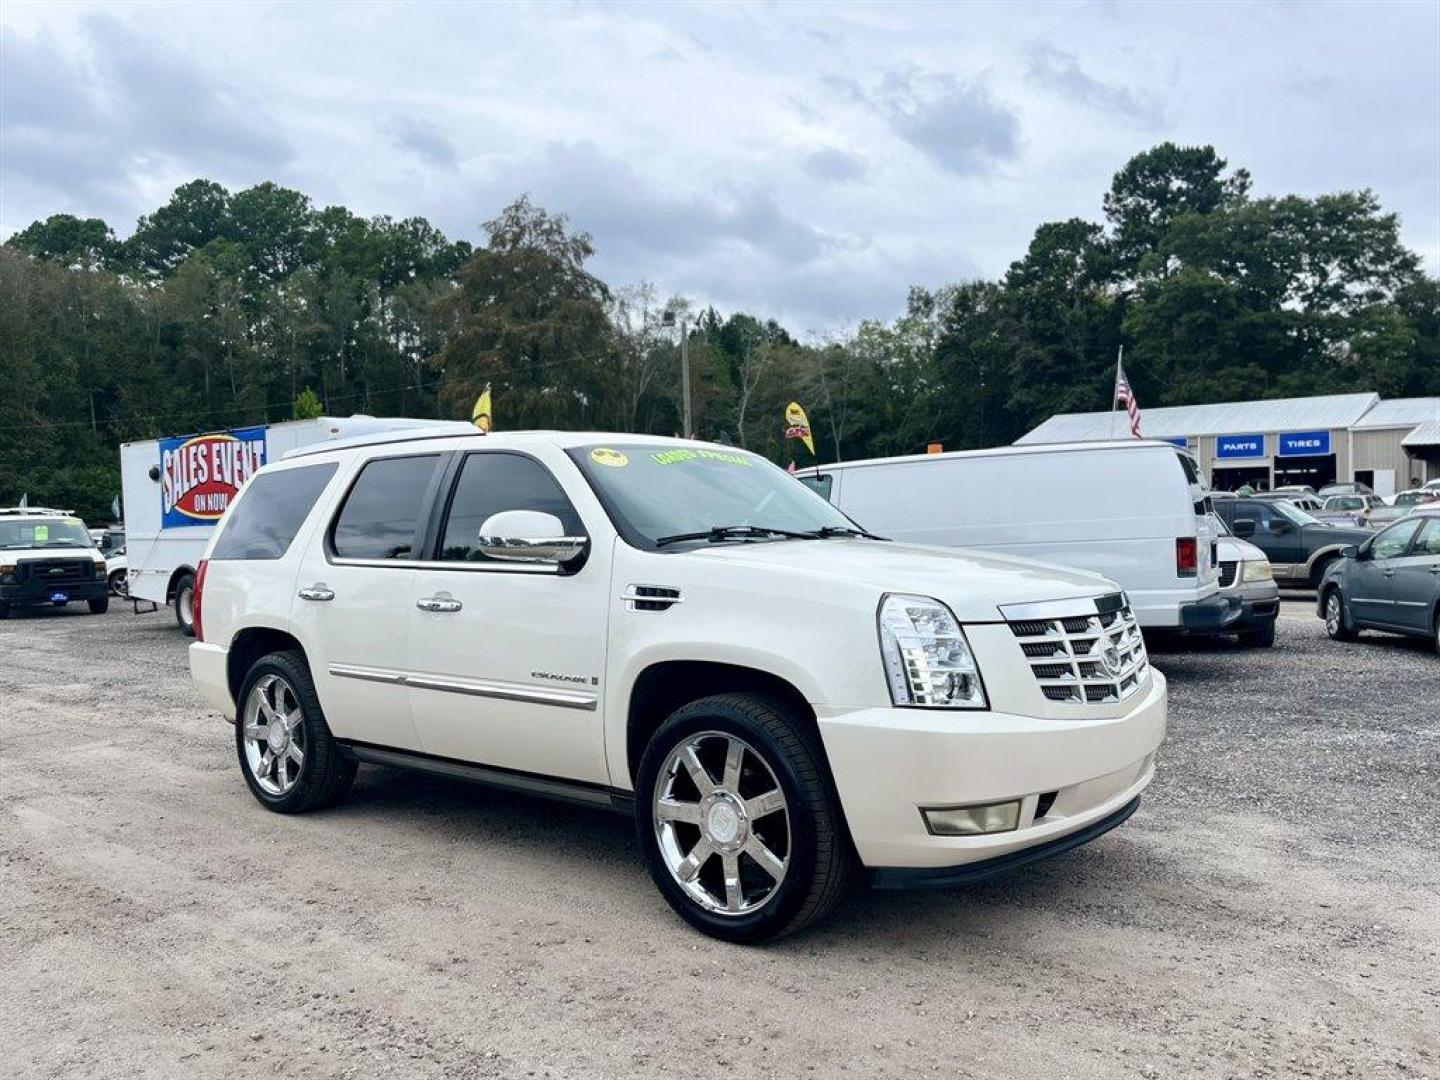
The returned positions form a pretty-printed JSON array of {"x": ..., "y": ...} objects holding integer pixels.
[
  {"x": 797, "y": 426},
  {"x": 481, "y": 416}
]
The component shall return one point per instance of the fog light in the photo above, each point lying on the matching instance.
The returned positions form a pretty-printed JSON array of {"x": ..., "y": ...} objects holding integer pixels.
[{"x": 971, "y": 820}]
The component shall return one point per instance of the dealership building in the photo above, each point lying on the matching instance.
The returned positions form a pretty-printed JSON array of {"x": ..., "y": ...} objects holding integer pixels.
[{"x": 1390, "y": 445}]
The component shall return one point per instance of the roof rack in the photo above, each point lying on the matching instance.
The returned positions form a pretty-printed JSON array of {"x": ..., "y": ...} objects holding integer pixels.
[
  {"x": 36, "y": 511},
  {"x": 394, "y": 435}
]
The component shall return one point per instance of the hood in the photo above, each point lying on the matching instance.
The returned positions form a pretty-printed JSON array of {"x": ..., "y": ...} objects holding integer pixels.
[
  {"x": 1349, "y": 534},
  {"x": 974, "y": 584},
  {"x": 1233, "y": 549}
]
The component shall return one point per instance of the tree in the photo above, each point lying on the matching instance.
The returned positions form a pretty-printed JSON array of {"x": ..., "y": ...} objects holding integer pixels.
[
  {"x": 307, "y": 405},
  {"x": 86, "y": 243},
  {"x": 196, "y": 214}
]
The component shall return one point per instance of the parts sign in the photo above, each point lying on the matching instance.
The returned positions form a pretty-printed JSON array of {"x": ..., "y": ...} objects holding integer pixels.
[{"x": 199, "y": 476}]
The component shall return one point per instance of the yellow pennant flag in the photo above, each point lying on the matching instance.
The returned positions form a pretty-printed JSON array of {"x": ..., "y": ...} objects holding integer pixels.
[
  {"x": 797, "y": 425},
  {"x": 482, "y": 416}
]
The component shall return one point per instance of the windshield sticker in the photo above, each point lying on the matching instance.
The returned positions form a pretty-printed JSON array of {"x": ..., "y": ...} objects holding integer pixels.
[
  {"x": 603, "y": 455},
  {"x": 672, "y": 457},
  {"x": 42, "y": 534}
]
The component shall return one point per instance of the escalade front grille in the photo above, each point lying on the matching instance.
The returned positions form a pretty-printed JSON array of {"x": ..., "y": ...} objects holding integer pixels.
[
  {"x": 1227, "y": 574},
  {"x": 1095, "y": 657}
]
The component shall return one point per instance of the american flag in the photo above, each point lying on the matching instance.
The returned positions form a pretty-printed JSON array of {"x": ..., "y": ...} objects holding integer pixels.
[{"x": 1126, "y": 396}]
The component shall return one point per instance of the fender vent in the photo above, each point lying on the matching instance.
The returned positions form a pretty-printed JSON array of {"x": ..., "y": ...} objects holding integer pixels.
[{"x": 651, "y": 597}]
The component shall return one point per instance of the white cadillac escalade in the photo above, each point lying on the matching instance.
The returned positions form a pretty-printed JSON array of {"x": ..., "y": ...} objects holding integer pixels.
[{"x": 682, "y": 632}]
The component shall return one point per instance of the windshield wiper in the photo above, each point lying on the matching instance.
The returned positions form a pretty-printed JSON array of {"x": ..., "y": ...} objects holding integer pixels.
[
  {"x": 844, "y": 530},
  {"x": 717, "y": 533}
]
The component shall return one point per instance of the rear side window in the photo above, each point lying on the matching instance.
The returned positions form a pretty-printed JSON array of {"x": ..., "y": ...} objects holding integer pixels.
[
  {"x": 270, "y": 513},
  {"x": 820, "y": 484},
  {"x": 492, "y": 482},
  {"x": 382, "y": 511}
]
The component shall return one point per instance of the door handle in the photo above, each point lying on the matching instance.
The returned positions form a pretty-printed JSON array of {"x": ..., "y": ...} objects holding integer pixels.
[
  {"x": 1388, "y": 573},
  {"x": 318, "y": 591},
  {"x": 438, "y": 603},
  {"x": 1435, "y": 569}
]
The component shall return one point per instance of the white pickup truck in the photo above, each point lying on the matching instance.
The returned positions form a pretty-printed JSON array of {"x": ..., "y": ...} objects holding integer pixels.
[{"x": 682, "y": 632}]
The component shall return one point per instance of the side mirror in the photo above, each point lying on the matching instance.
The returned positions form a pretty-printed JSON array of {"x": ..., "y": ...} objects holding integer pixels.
[
  {"x": 1244, "y": 527},
  {"x": 529, "y": 536},
  {"x": 1350, "y": 552}
]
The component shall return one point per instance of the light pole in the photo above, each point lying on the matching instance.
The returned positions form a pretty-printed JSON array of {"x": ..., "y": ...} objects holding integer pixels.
[{"x": 668, "y": 319}]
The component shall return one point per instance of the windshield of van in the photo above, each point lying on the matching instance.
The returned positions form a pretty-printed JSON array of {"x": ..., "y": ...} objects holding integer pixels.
[
  {"x": 1294, "y": 514},
  {"x": 45, "y": 533},
  {"x": 660, "y": 494}
]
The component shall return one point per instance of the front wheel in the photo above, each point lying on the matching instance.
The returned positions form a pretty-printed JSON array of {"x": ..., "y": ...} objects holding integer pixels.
[
  {"x": 1264, "y": 638},
  {"x": 737, "y": 819},
  {"x": 290, "y": 760},
  {"x": 101, "y": 606},
  {"x": 185, "y": 604},
  {"x": 119, "y": 584},
  {"x": 1335, "y": 622}
]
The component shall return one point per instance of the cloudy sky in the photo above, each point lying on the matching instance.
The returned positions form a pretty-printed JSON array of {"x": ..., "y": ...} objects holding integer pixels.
[{"x": 807, "y": 161}]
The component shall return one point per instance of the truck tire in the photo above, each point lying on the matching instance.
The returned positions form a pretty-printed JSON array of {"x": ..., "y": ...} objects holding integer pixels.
[
  {"x": 738, "y": 820},
  {"x": 99, "y": 607},
  {"x": 1264, "y": 638},
  {"x": 185, "y": 604},
  {"x": 290, "y": 760}
]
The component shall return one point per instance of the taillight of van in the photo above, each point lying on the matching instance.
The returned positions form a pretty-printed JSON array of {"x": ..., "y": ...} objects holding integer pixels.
[
  {"x": 196, "y": 598},
  {"x": 1187, "y": 557}
]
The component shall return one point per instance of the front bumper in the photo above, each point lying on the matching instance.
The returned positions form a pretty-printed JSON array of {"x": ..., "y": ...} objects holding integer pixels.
[
  {"x": 1216, "y": 614},
  {"x": 890, "y": 762},
  {"x": 25, "y": 593},
  {"x": 1259, "y": 606}
]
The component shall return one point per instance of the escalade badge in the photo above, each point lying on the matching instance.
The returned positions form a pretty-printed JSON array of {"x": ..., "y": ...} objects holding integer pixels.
[{"x": 1110, "y": 659}]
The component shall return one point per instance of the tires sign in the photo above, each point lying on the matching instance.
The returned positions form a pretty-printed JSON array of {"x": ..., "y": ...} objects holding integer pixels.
[{"x": 200, "y": 475}]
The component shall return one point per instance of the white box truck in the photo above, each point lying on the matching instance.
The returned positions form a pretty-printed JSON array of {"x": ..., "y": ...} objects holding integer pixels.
[
  {"x": 176, "y": 489},
  {"x": 1132, "y": 510}
]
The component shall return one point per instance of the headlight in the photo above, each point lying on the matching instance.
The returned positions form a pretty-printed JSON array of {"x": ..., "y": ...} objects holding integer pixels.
[
  {"x": 7, "y": 573},
  {"x": 1257, "y": 570},
  {"x": 100, "y": 568},
  {"x": 927, "y": 659}
]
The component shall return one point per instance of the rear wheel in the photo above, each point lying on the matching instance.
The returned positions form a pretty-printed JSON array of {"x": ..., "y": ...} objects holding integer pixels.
[
  {"x": 185, "y": 604},
  {"x": 101, "y": 606},
  {"x": 737, "y": 820},
  {"x": 290, "y": 760},
  {"x": 1336, "y": 623}
]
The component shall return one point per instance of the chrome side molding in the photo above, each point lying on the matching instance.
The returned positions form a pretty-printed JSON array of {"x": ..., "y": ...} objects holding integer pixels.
[{"x": 504, "y": 691}]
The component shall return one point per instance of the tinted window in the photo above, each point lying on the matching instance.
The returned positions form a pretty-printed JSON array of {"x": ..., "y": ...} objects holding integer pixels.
[
  {"x": 1429, "y": 542},
  {"x": 270, "y": 512},
  {"x": 1394, "y": 540},
  {"x": 382, "y": 511},
  {"x": 492, "y": 482}
]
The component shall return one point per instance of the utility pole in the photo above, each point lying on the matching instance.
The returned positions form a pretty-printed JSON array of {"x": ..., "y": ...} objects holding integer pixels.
[{"x": 668, "y": 319}]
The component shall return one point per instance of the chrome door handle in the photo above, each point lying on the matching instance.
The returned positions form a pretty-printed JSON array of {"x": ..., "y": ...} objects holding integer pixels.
[
  {"x": 318, "y": 591},
  {"x": 1435, "y": 569},
  {"x": 438, "y": 603}
]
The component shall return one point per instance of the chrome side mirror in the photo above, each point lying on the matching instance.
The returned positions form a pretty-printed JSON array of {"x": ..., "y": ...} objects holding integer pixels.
[{"x": 529, "y": 536}]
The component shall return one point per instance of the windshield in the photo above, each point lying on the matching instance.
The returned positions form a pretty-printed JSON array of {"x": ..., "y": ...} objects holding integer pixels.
[
  {"x": 657, "y": 490},
  {"x": 1344, "y": 503},
  {"x": 45, "y": 533},
  {"x": 1294, "y": 514}
]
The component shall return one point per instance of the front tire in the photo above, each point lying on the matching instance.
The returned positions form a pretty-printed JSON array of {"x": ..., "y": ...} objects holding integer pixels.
[
  {"x": 99, "y": 607},
  {"x": 738, "y": 821},
  {"x": 185, "y": 604},
  {"x": 291, "y": 762},
  {"x": 1336, "y": 622},
  {"x": 119, "y": 584}
]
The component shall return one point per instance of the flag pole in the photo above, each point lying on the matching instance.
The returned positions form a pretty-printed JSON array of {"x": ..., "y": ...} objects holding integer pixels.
[{"x": 1115, "y": 388}]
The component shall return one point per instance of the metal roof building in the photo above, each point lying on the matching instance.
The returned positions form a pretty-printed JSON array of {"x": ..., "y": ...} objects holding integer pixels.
[{"x": 1313, "y": 440}]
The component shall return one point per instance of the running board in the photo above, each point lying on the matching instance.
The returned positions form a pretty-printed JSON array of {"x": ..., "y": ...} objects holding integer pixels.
[{"x": 545, "y": 787}]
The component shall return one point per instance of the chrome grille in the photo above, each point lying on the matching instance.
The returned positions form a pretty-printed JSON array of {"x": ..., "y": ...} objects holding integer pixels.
[
  {"x": 1227, "y": 574},
  {"x": 1094, "y": 658}
]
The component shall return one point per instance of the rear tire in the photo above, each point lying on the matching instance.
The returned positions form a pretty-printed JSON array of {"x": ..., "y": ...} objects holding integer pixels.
[
  {"x": 290, "y": 761},
  {"x": 1336, "y": 618},
  {"x": 99, "y": 607},
  {"x": 773, "y": 852},
  {"x": 1263, "y": 638},
  {"x": 185, "y": 604}
]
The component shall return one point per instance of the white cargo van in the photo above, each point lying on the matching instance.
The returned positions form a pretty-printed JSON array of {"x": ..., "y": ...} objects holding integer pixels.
[
  {"x": 176, "y": 489},
  {"x": 1132, "y": 510}
]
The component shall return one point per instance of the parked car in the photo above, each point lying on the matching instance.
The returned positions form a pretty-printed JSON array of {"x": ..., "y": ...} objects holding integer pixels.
[
  {"x": 1134, "y": 511},
  {"x": 1300, "y": 548},
  {"x": 1399, "y": 507},
  {"x": 1245, "y": 572},
  {"x": 1391, "y": 582},
  {"x": 683, "y": 632},
  {"x": 1347, "y": 488},
  {"x": 1308, "y": 503},
  {"x": 48, "y": 558},
  {"x": 1294, "y": 489},
  {"x": 1349, "y": 509}
]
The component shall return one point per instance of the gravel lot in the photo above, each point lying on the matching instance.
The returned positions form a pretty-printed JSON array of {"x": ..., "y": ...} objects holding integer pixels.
[{"x": 1272, "y": 910}]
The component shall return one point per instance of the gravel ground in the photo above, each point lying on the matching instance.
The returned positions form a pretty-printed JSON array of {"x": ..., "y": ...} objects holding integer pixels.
[{"x": 1272, "y": 910}]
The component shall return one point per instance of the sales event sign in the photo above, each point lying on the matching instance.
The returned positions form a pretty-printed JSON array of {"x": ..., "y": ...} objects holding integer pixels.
[
  {"x": 1305, "y": 444},
  {"x": 1239, "y": 446},
  {"x": 200, "y": 475}
]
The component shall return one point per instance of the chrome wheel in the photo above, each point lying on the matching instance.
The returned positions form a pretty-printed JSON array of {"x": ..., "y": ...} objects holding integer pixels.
[
  {"x": 1334, "y": 615},
  {"x": 722, "y": 823},
  {"x": 274, "y": 735},
  {"x": 186, "y": 603},
  {"x": 119, "y": 584}
]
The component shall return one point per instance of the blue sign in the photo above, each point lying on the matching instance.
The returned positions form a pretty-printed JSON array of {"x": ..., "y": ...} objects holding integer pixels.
[
  {"x": 1305, "y": 444},
  {"x": 199, "y": 476},
  {"x": 1182, "y": 443},
  {"x": 1239, "y": 446}
]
